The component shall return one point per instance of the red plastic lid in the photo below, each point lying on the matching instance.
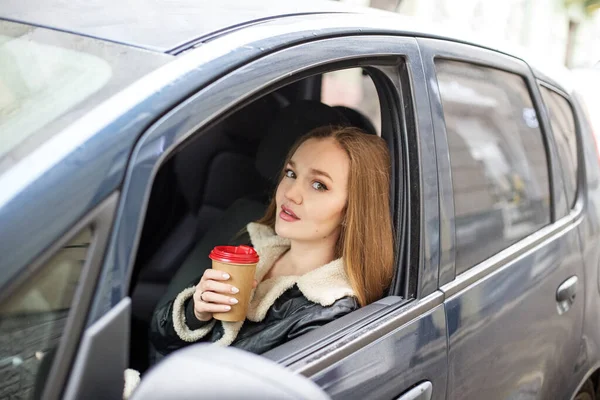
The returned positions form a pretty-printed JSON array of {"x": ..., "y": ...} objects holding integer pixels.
[{"x": 234, "y": 254}]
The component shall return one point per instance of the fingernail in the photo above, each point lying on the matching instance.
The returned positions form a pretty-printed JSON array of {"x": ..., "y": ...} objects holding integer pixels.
[
  {"x": 225, "y": 276},
  {"x": 227, "y": 308},
  {"x": 233, "y": 300},
  {"x": 234, "y": 290}
]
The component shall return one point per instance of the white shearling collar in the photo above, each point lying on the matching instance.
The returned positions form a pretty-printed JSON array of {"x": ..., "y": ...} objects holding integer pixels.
[{"x": 323, "y": 285}]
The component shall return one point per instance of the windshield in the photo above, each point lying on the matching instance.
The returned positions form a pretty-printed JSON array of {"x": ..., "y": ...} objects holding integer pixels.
[{"x": 49, "y": 78}]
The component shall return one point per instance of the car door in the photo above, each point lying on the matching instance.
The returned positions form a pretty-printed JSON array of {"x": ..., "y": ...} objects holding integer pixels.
[
  {"x": 512, "y": 271},
  {"x": 396, "y": 344}
]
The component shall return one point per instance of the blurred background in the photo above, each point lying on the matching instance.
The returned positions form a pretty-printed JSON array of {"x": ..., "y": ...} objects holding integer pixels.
[
  {"x": 561, "y": 35},
  {"x": 559, "y": 31}
]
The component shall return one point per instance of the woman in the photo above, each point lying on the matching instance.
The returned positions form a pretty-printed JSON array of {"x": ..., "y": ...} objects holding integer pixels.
[{"x": 325, "y": 245}]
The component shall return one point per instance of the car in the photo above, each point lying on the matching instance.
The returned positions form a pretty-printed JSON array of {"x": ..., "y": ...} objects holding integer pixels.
[{"x": 136, "y": 135}]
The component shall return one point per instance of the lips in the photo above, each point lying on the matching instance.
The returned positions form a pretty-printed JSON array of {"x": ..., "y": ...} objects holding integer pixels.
[{"x": 288, "y": 215}]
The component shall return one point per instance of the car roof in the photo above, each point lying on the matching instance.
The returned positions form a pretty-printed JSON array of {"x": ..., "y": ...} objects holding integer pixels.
[
  {"x": 168, "y": 26},
  {"x": 157, "y": 25}
]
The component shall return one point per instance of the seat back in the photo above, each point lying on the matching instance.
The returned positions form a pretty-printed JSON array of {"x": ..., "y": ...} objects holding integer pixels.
[{"x": 213, "y": 172}]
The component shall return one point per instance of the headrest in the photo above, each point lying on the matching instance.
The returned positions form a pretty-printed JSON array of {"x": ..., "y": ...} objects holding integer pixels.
[
  {"x": 289, "y": 125},
  {"x": 357, "y": 119},
  {"x": 251, "y": 121}
]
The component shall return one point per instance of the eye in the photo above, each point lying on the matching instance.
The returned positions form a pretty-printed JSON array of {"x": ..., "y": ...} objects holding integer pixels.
[
  {"x": 290, "y": 174},
  {"x": 319, "y": 186}
]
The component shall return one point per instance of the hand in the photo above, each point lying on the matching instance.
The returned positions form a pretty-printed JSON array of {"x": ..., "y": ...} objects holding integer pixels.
[{"x": 212, "y": 294}]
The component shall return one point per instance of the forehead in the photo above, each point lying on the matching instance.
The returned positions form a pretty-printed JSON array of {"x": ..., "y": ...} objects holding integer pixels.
[
  {"x": 319, "y": 151},
  {"x": 323, "y": 154}
]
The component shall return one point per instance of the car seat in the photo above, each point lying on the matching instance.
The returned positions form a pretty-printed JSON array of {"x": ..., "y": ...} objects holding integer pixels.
[
  {"x": 210, "y": 173},
  {"x": 357, "y": 119},
  {"x": 190, "y": 192}
]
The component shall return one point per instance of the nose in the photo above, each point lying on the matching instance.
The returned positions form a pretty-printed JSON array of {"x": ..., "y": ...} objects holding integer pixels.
[{"x": 294, "y": 192}]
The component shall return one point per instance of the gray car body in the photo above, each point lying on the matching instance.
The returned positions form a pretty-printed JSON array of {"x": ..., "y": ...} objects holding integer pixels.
[{"x": 511, "y": 343}]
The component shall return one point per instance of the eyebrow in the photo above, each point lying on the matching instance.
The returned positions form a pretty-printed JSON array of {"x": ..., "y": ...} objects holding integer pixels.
[{"x": 314, "y": 171}]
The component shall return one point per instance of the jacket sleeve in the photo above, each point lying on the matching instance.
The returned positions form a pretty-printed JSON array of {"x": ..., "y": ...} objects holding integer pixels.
[
  {"x": 268, "y": 335},
  {"x": 174, "y": 325},
  {"x": 306, "y": 322}
]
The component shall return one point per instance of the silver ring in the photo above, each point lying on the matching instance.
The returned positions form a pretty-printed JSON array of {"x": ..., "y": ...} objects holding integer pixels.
[{"x": 201, "y": 294}]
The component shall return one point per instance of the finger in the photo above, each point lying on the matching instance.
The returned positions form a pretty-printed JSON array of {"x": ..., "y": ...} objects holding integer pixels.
[
  {"x": 202, "y": 307},
  {"x": 215, "y": 275},
  {"x": 215, "y": 298},
  {"x": 255, "y": 283},
  {"x": 218, "y": 287}
]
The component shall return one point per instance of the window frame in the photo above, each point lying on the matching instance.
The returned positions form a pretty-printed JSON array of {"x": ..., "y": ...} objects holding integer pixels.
[
  {"x": 450, "y": 282},
  {"x": 100, "y": 221},
  {"x": 213, "y": 102},
  {"x": 580, "y": 173},
  {"x": 227, "y": 103}
]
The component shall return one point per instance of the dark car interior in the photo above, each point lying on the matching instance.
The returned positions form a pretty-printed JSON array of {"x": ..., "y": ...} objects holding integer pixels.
[{"x": 219, "y": 181}]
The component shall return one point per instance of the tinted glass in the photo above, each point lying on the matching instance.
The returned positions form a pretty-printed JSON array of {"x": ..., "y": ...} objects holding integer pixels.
[
  {"x": 353, "y": 89},
  {"x": 497, "y": 157},
  {"x": 563, "y": 128},
  {"x": 33, "y": 319},
  {"x": 48, "y": 79}
]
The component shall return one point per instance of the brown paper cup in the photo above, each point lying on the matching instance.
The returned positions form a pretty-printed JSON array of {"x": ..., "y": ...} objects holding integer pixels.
[{"x": 242, "y": 277}]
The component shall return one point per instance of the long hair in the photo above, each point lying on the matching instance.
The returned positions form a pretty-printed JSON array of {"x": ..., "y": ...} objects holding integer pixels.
[{"x": 366, "y": 238}]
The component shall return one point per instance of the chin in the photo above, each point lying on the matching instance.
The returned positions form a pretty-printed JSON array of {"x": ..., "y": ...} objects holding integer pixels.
[
  {"x": 294, "y": 232},
  {"x": 282, "y": 231},
  {"x": 288, "y": 230}
]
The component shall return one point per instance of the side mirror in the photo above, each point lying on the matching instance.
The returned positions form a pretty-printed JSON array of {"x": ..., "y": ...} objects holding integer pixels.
[{"x": 205, "y": 371}]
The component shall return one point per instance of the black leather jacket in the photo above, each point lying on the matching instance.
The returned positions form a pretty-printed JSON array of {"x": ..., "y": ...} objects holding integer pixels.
[
  {"x": 305, "y": 303},
  {"x": 291, "y": 315}
]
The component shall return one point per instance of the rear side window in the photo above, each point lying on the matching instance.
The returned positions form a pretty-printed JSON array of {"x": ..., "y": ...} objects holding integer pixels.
[
  {"x": 497, "y": 157},
  {"x": 563, "y": 128}
]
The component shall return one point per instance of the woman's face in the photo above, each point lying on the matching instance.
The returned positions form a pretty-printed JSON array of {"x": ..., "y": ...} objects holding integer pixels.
[{"x": 311, "y": 198}]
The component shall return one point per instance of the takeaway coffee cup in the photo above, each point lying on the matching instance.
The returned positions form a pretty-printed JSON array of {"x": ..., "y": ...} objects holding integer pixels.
[{"x": 240, "y": 263}]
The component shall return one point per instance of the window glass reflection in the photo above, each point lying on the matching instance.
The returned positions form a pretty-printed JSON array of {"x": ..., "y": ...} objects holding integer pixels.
[
  {"x": 497, "y": 157},
  {"x": 563, "y": 129}
]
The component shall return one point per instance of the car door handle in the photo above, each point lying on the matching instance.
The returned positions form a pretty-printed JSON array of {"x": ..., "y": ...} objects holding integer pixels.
[
  {"x": 565, "y": 294},
  {"x": 420, "y": 392}
]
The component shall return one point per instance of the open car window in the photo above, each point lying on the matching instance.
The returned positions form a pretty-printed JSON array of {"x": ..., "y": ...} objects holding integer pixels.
[{"x": 224, "y": 177}]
